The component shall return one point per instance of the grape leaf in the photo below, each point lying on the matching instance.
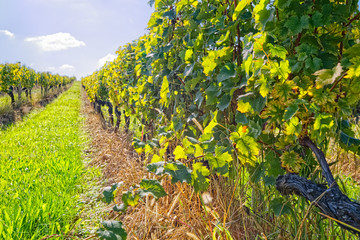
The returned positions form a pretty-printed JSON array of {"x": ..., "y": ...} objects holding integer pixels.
[
  {"x": 226, "y": 72},
  {"x": 291, "y": 161},
  {"x": 224, "y": 102},
  {"x": 290, "y": 111},
  {"x": 212, "y": 124},
  {"x": 112, "y": 230},
  {"x": 164, "y": 100},
  {"x": 130, "y": 199},
  {"x": 179, "y": 153},
  {"x": 178, "y": 171},
  {"x": 241, "y": 5},
  {"x": 109, "y": 192},
  {"x": 152, "y": 187},
  {"x": 292, "y": 23},
  {"x": 157, "y": 167},
  {"x": 199, "y": 177}
]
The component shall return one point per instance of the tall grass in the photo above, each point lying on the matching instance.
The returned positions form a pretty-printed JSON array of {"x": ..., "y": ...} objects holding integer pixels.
[{"x": 41, "y": 168}]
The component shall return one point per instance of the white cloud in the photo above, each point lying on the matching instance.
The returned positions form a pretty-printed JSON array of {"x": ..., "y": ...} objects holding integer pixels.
[
  {"x": 7, "y": 33},
  {"x": 56, "y": 42},
  {"x": 66, "y": 67},
  {"x": 107, "y": 58}
]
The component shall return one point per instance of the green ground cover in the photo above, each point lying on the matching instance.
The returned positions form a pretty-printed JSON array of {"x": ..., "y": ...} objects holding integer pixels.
[{"x": 41, "y": 170}]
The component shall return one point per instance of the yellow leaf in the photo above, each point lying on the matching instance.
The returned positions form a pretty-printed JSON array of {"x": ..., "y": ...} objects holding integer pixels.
[
  {"x": 211, "y": 125},
  {"x": 209, "y": 63},
  {"x": 164, "y": 92},
  {"x": 179, "y": 153},
  {"x": 156, "y": 159},
  {"x": 244, "y": 107},
  {"x": 188, "y": 55},
  {"x": 241, "y": 5}
]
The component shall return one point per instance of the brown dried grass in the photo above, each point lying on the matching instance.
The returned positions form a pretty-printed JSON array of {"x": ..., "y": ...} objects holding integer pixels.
[
  {"x": 179, "y": 215},
  {"x": 343, "y": 162}
]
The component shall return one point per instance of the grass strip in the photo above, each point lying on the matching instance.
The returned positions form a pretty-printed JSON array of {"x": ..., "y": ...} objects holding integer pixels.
[{"x": 41, "y": 169}]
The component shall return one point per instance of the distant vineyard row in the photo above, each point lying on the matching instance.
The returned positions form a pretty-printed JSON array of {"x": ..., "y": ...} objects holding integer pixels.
[
  {"x": 218, "y": 85},
  {"x": 16, "y": 78}
]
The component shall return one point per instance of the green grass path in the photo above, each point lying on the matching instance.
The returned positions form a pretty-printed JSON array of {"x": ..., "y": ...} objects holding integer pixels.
[{"x": 41, "y": 167}]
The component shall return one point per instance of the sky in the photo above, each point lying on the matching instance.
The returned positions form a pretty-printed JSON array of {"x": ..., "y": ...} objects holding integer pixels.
[{"x": 69, "y": 37}]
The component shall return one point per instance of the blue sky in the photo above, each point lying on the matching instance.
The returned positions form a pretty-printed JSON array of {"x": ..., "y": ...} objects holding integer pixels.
[{"x": 70, "y": 37}]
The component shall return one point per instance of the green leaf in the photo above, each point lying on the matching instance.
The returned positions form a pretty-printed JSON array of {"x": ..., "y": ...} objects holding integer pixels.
[
  {"x": 290, "y": 111},
  {"x": 179, "y": 153},
  {"x": 212, "y": 92},
  {"x": 250, "y": 102},
  {"x": 313, "y": 64},
  {"x": 223, "y": 38},
  {"x": 278, "y": 51},
  {"x": 157, "y": 167},
  {"x": 284, "y": 69},
  {"x": 226, "y": 72},
  {"x": 316, "y": 19},
  {"x": 130, "y": 199},
  {"x": 283, "y": 3},
  {"x": 241, "y": 118},
  {"x": 273, "y": 164},
  {"x": 247, "y": 147},
  {"x": 221, "y": 162},
  {"x": 241, "y": 5},
  {"x": 304, "y": 21},
  {"x": 112, "y": 230},
  {"x": 151, "y": 187},
  {"x": 177, "y": 123},
  {"x": 109, "y": 192},
  {"x": 279, "y": 207},
  {"x": 353, "y": 51},
  {"x": 199, "y": 177},
  {"x": 323, "y": 122},
  {"x": 213, "y": 123},
  {"x": 293, "y": 24},
  {"x": 178, "y": 171},
  {"x": 291, "y": 161},
  {"x": 348, "y": 141},
  {"x": 224, "y": 102},
  {"x": 262, "y": 14},
  {"x": 293, "y": 126}
]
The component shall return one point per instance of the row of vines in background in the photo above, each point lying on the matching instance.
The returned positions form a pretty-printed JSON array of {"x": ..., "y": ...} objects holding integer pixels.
[
  {"x": 17, "y": 78},
  {"x": 219, "y": 86}
]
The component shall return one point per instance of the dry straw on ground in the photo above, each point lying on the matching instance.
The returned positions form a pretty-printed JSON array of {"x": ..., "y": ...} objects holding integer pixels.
[{"x": 180, "y": 215}]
